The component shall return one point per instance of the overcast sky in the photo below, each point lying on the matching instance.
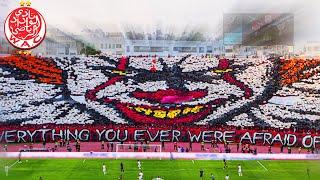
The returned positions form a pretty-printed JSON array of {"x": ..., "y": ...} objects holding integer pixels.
[{"x": 170, "y": 15}]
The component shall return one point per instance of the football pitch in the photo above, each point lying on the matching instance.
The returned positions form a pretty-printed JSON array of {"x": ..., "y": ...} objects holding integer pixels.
[{"x": 91, "y": 169}]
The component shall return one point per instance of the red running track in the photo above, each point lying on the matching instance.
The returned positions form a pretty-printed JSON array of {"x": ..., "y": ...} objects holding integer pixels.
[{"x": 168, "y": 147}]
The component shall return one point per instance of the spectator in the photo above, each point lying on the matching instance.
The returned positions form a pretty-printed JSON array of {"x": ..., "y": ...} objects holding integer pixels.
[
  {"x": 102, "y": 145},
  {"x": 269, "y": 150},
  {"x": 175, "y": 146},
  {"x": 202, "y": 146}
]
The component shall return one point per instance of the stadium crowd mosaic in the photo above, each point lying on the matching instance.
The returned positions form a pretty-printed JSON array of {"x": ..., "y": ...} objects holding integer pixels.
[{"x": 187, "y": 90}]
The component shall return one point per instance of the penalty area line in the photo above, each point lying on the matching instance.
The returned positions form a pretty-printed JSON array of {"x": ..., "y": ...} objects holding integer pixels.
[
  {"x": 84, "y": 161},
  {"x": 262, "y": 165},
  {"x": 193, "y": 161},
  {"x": 13, "y": 164}
]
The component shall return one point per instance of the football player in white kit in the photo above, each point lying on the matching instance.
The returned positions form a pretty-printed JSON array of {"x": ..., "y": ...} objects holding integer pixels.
[
  {"x": 140, "y": 177},
  {"x": 104, "y": 169},
  {"x": 239, "y": 170},
  {"x": 6, "y": 170},
  {"x": 227, "y": 177},
  {"x": 139, "y": 164},
  {"x": 157, "y": 178}
]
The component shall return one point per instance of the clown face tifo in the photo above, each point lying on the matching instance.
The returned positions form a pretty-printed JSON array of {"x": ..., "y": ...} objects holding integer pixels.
[
  {"x": 176, "y": 90},
  {"x": 163, "y": 91}
]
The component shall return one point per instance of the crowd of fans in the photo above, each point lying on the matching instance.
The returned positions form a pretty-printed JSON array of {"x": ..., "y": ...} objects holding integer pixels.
[{"x": 53, "y": 90}]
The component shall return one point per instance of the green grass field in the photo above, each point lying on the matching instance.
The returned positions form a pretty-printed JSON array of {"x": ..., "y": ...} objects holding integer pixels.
[{"x": 91, "y": 169}]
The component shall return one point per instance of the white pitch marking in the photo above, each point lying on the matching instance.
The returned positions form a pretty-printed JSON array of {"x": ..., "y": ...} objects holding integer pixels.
[
  {"x": 193, "y": 161},
  {"x": 262, "y": 166},
  {"x": 84, "y": 161},
  {"x": 13, "y": 164}
]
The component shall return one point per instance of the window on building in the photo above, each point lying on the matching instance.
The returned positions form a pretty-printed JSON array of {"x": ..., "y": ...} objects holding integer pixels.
[
  {"x": 185, "y": 49},
  {"x": 229, "y": 50},
  {"x": 141, "y": 48},
  {"x": 101, "y": 46},
  {"x": 106, "y": 46},
  {"x": 157, "y": 49},
  {"x": 201, "y": 49},
  {"x": 149, "y": 49},
  {"x": 118, "y": 46},
  {"x": 209, "y": 49},
  {"x": 109, "y": 46}
]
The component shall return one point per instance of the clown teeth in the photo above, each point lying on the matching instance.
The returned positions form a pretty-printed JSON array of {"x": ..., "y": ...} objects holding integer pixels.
[
  {"x": 173, "y": 113},
  {"x": 161, "y": 113},
  {"x": 144, "y": 110}
]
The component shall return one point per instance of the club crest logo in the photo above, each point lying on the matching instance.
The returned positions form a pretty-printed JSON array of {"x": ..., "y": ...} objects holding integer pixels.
[{"x": 25, "y": 27}]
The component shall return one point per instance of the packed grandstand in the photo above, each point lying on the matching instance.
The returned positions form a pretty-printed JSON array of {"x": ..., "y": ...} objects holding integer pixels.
[
  {"x": 189, "y": 90},
  {"x": 159, "y": 90},
  {"x": 160, "y": 109}
]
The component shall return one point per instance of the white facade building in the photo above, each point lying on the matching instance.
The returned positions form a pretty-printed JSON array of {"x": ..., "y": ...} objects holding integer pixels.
[
  {"x": 115, "y": 43},
  {"x": 111, "y": 43},
  {"x": 169, "y": 47},
  {"x": 312, "y": 49},
  {"x": 59, "y": 43}
]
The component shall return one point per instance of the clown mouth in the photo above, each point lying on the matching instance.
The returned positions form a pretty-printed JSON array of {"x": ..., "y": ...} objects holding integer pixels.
[
  {"x": 170, "y": 109},
  {"x": 168, "y": 115}
]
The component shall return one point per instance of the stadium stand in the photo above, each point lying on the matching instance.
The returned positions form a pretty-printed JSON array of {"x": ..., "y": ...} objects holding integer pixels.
[{"x": 239, "y": 92}]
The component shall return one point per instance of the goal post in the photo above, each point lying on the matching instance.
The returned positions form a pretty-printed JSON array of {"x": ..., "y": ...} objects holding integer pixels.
[
  {"x": 128, "y": 147},
  {"x": 149, "y": 150}
]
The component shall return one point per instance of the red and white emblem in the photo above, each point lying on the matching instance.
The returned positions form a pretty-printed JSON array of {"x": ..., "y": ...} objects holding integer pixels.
[{"x": 25, "y": 28}]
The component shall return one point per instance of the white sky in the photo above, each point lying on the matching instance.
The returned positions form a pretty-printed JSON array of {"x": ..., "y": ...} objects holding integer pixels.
[{"x": 171, "y": 15}]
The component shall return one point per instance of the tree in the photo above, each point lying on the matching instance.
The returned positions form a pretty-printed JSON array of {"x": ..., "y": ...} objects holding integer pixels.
[{"x": 88, "y": 50}]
